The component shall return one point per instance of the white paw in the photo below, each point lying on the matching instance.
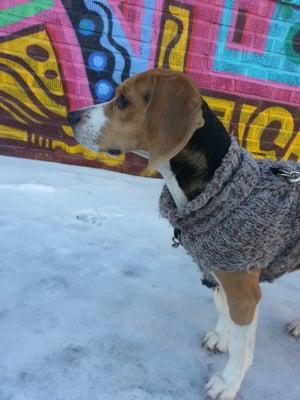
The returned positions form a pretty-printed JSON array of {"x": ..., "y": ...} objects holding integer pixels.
[
  {"x": 293, "y": 328},
  {"x": 215, "y": 342},
  {"x": 217, "y": 389}
]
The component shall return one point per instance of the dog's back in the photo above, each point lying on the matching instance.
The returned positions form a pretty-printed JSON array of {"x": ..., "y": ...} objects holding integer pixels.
[{"x": 245, "y": 216}]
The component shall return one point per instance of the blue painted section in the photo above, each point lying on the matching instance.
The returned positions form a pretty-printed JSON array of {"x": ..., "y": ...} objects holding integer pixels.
[
  {"x": 138, "y": 62},
  {"x": 104, "y": 90},
  {"x": 271, "y": 67},
  {"x": 86, "y": 26},
  {"x": 97, "y": 61},
  {"x": 108, "y": 56},
  {"x": 103, "y": 39}
]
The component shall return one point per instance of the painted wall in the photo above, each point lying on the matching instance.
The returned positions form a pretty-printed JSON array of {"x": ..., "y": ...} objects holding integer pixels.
[{"x": 58, "y": 55}]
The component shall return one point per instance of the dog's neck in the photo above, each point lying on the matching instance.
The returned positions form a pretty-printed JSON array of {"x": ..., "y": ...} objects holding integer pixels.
[{"x": 187, "y": 173}]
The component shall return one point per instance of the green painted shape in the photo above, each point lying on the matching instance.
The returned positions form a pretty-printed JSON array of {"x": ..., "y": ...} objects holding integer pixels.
[
  {"x": 286, "y": 11},
  {"x": 16, "y": 13},
  {"x": 293, "y": 56},
  {"x": 292, "y": 2}
]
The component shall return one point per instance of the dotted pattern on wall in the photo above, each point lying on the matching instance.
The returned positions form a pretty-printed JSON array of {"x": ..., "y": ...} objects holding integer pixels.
[{"x": 59, "y": 55}]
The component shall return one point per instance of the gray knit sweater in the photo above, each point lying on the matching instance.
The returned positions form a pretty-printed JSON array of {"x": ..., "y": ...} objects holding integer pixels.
[{"x": 245, "y": 217}]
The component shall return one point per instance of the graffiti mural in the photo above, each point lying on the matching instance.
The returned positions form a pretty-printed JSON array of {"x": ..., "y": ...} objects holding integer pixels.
[
  {"x": 174, "y": 36},
  {"x": 33, "y": 101},
  {"x": 59, "y": 55},
  {"x": 264, "y": 129}
]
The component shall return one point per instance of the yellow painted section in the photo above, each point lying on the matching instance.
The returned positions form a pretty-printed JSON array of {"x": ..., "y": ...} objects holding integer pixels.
[
  {"x": 294, "y": 148},
  {"x": 15, "y": 134},
  {"x": 170, "y": 31},
  {"x": 148, "y": 172},
  {"x": 18, "y": 75},
  {"x": 18, "y": 48},
  {"x": 286, "y": 138},
  {"x": 88, "y": 154},
  {"x": 24, "y": 114},
  {"x": 246, "y": 112},
  {"x": 68, "y": 130},
  {"x": 13, "y": 115},
  {"x": 224, "y": 106},
  {"x": 258, "y": 125},
  {"x": 10, "y": 84}
]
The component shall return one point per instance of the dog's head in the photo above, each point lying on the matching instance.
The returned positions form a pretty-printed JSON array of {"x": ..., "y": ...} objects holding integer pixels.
[{"x": 155, "y": 111}]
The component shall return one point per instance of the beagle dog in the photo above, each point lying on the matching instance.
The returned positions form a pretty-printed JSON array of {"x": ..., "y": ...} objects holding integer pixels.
[{"x": 160, "y": 114}]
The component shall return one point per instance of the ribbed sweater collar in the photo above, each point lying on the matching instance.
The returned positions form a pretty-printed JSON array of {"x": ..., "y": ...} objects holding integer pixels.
[{"x": 232, "y": 183}]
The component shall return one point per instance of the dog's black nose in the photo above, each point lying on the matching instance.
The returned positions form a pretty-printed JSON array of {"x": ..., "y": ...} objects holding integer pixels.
[
  {"x": 114, "y": 152},
  {"x": 73, "y": 117}
]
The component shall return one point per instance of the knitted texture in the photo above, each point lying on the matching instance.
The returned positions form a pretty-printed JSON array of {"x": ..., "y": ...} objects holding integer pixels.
[{"x": 245, "y": 217}]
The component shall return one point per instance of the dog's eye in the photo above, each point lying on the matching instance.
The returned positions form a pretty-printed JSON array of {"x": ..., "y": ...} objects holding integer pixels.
[{"x": 122, "y": 102}]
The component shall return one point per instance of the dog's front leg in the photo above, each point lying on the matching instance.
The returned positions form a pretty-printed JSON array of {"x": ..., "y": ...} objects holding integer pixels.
[
  {"x": 217, "y": 339},
  {"x": 243, "y": 295}
]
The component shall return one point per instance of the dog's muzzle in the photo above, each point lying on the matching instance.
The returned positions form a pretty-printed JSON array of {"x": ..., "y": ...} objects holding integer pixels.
[{"x": 87, "y": 124}]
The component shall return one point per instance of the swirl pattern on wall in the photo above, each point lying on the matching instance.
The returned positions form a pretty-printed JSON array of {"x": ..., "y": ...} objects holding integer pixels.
[
  {"x": 105, "y": 55},
  {"x": 32, "y": 95}
]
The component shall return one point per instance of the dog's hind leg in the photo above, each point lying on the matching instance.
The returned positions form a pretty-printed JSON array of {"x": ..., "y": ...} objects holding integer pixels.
[
  {"x": 293, "y": 328},
  {"x": 243, "y": 295},
  {"x": 217, "y": 339}
]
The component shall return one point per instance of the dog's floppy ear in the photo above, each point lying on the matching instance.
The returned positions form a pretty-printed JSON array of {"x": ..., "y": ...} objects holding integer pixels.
[{"x": 172, "y": 116}]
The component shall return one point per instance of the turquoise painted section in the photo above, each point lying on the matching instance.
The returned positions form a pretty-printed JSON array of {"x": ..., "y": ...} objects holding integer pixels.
[{"x": 274, "y": 63}]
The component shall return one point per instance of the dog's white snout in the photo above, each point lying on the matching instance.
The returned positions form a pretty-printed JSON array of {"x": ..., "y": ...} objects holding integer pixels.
[{"x": 88, "y": 124}]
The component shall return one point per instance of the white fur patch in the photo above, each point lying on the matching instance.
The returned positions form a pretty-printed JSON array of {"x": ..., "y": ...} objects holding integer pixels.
[
  {"x": 225, "y": 386},
  {"x": 88, "y": 131},
  {"x": 217, "y": 339},
  {"x": 241, "y": 343},
  {"x": 177, "y": 193}
]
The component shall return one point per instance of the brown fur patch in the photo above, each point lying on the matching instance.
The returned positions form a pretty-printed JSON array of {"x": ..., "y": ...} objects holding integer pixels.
[
  {"x": 243, "y": 293},
  {"x": 195, "y": 162},
  {"x": 164, "y": 112}
]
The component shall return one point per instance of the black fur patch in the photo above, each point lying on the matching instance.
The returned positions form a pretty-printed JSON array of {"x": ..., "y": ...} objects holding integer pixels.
[
  {"x": 213, "y": 139},
  {"x": 211, "y": 142},
  {"x": 147, "y": 97}
]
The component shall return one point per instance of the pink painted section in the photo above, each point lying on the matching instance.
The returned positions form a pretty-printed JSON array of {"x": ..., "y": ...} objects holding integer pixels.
[
  {"x": 199, "y": 61},
  {"x": 66, "y": 46},
  {"x": 130, "y": 18},
  {"x": 207, "y": 16},
  {"x": 8, "y": 4},
  {"x": 256, "y": 27}
]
